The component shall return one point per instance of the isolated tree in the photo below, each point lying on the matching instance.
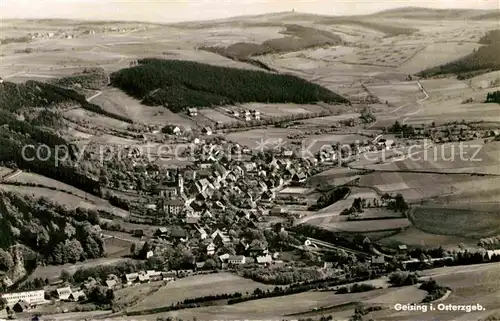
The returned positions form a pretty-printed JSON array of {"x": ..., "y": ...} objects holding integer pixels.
[
  {"x": 66, "y": 276},
  {"x": 3, "y": 303}
]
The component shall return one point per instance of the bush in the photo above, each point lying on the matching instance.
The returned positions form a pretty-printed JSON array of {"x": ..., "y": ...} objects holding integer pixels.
[{"x": 401, "y": 278}]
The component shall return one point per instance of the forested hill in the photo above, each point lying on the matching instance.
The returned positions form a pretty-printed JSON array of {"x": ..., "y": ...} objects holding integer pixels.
[
  {"x": 485, "y": 59},
  {"x": 38, "y": 128},
  {"x": 36, "y": 231},
  {"x": 38, "y": 94},
  {"x": 180, "y": 84}
]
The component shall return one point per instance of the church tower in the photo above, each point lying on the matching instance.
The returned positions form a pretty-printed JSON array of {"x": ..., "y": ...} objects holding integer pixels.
[{"x": 180, "y": 183}]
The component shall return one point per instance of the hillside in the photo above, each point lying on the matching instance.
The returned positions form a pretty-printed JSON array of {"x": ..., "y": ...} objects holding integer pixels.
[
  {"x": 14, "y": 97},
  {"x": 179, "y": 84},
  {"x": 91, "y": 78},
  {"x": 47, "y": 234},
  {"x": 485, "y": 59},
  {"x": 297, "y": 38},
  {"x": 421, "y": 13},
  {"x": 39, "y": 127}
]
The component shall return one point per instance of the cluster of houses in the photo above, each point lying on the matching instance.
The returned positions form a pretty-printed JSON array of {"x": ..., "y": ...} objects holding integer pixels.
[
  {"x": 209, "y": 188},
  {"x": 27, "y": 300},
  {"x": 209, "y": 244},
  {"x": 246, "y": 115}
]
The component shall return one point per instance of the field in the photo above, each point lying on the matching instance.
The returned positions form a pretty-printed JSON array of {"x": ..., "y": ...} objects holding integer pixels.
[
  {"x": 367, "y": 225},
  {"x": 303, "y": 305},
  {"x": 436, "y": 54},
  {"x": 334, "y": 176},
  {"x": 414, "y": 237},
  {"x": 477, "y": 221},
  {"x": 279, "y": 137},
  {"x": 60, "y": 193},
  {"x": 454, "y": 158},
  {"x": 116, "y": 101},
  {"x": 473, "y": 284},
  {"x": 52, "y": 272},
  {"x": 195, "y": 286}
]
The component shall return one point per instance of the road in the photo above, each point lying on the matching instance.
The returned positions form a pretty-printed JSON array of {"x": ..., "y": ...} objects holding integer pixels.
[
  {"x": 394, "y": 111},
  {"x": 419, "y": 102},
  {"x": 94, "y": 96},
  {"x": 12, "y": 175},
  {"x": 336, "y": 247}
]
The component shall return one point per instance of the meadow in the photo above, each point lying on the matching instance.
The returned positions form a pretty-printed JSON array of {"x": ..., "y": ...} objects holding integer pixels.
[
  {"x": 477, "y": 221},
  {"x": 195, "y": 286}
]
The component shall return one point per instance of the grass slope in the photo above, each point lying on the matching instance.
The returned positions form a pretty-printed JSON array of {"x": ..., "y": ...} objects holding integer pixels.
[
  {"x": 474, "y": 222},
  {"x": 14, "y": 97},
  {"x": 484, "y": 60},
  {"x": 179, "y": 84}
]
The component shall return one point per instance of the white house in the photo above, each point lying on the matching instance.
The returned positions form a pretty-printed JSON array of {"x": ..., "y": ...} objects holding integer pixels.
[
  {"x": 64, "y": 293},
  {"x": 236, "y": 259},
  {"x": 31, "y": 297},
  {"x": 131, "y": 278},
  {"x": 265, "y": 259},
  {"x": 76, "y": 296},
  {"x": 491, "y": 253},
  {"x": 211, "y": 249}
]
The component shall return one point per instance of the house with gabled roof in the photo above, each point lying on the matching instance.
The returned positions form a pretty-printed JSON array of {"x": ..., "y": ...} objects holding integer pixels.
[
  {"x": 78, "y": 296},
  {"x": 210, "y": 248},
  {"x": 161, "y": 232},
  {"x": 111, "y": 284},
  {"x": 174, "y": 206},
  {"x": 236, "y": 259},
  {"x": 264, "y": 260},
  {"x": 63, "y": 293},
  {"x": 220, "y": 237},
  {"x": 131, "y": 278}
]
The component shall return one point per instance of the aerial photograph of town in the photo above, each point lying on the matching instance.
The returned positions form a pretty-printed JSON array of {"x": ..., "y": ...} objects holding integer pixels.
[{"x": 259, "y": 160}]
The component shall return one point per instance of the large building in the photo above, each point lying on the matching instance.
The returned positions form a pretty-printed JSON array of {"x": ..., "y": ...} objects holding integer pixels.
[{"x": 31, "y": 297}]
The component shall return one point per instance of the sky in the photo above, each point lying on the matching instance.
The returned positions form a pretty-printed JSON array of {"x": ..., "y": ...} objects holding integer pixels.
[{"x": 166, "y": 11}]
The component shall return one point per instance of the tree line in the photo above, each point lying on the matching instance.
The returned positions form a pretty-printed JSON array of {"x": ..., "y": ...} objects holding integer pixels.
[{"x": 493, "y": 97}]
